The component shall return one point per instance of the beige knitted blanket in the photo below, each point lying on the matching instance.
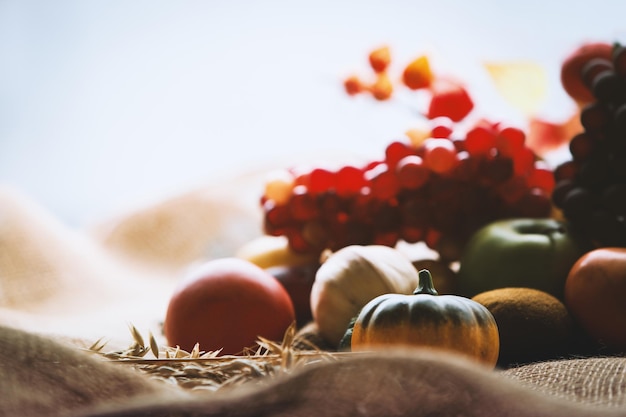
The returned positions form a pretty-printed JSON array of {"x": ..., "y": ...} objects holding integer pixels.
[{"x": 62, "y": 289}]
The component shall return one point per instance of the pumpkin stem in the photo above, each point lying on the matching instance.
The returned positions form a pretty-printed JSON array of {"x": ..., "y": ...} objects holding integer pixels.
[{"x": 425, "y": 283}]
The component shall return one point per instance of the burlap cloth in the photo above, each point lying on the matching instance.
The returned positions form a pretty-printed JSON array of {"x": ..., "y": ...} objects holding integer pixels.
[{"x": 61, "y": 288}]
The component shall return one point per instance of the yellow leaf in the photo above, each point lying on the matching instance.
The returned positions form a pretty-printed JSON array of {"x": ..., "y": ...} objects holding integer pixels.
[{"x": 523, "y": 84}]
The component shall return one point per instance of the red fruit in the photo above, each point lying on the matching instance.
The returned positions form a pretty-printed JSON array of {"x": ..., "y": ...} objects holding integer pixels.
[
  {"x": 298, "y": 242},
  {"x": 411, "y": 172},
  {"x": 510, "y": 140},
  {"x": 442, "y": 127},
  {"x": 297, "y": 281},
  {"x": 512, "y": 190},
  {"x": 227, "y": 304},
  {"x": 320, "y": 180},
  {"x": 523, "y": 162},
  {"x": 302, "y": 204},
  {"x": 541, "y": 177},
  {"x": 440, "y": 155},
  {"x": 449, "y": 99},
  {"x": 536, "y": 203},
  {"x": 480, "y": 139},
  {"x": 395, "y": 151},
  {"x": 572, "y": 69},
  {"x": 383, "y": 182},
  {"x": 277, "y": 218},
  {"x": 411, "y": 234},
  {"x": 349, "y": 180}
]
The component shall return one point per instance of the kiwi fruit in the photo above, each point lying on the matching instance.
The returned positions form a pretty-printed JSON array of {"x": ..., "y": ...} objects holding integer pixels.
[{"x": 533, "y": 324}]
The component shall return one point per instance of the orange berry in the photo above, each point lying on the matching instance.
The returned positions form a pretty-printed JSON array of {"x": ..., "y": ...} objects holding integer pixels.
[
  {"x": 380, "y": 58},
  {"x": 354, "y": 85},
  {"x": 418, "y": 74},
  {"x": 382, "y": 89}
]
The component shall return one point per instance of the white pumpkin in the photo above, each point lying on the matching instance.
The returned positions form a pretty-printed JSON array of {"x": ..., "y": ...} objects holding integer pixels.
[{"x": 351, "y": 277}]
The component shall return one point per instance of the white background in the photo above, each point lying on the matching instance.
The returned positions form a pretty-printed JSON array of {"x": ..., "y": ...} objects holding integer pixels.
[{"x": 108, "y": 104}]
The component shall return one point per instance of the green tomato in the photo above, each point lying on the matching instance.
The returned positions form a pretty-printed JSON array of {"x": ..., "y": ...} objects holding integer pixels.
[{"x": 531, "y": 253}]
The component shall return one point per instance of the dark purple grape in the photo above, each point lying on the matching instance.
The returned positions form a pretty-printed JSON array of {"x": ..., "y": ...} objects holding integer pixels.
[
  {"x": 617, "y": 166},
  {"x": 591, "y": 187},
  {"x": 566, "y": 171},
  {"x": 594, "y": 173},
  {"x": 614, "y": 199},
  {"x": 594, "y": 67},
  {"x": 605, "y": 229},
  {"x": 620, "y": 121},
  {"x": 595, "y": 116},
  {"x": 561, "y": 189},
  {"x": 578, "y": 204},
  {"x": 582, "y": 146},
  {"x": 619, "y": 60},
  {"x": 607, "y": 86}
]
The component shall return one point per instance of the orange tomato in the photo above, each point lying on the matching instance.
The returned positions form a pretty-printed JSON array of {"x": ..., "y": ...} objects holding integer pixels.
[{"x": 227, "y": 304}]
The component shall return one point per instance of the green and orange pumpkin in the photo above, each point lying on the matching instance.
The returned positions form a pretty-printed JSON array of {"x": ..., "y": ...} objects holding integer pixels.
[{"x": 426, "y": 319}]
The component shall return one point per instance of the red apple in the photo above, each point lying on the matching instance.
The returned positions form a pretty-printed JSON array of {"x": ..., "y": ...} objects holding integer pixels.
[
  {"x": 595, "y": 295},
  {"x": 227, "y": 304}
]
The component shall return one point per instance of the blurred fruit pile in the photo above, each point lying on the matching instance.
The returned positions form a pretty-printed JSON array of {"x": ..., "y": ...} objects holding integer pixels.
[
  {"x": 438, "y": 186},
  {"x": 591, "y": 186},
  {"x": 541, "y": 250}
]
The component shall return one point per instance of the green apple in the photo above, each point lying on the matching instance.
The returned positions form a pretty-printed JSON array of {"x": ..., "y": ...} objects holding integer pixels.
[{"x": 525, "y": 252}]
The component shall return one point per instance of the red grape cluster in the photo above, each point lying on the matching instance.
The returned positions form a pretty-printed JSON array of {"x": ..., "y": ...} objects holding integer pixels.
[
  {"x": 591, "y": 187},
  {"x": 439, "y": 190}
]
